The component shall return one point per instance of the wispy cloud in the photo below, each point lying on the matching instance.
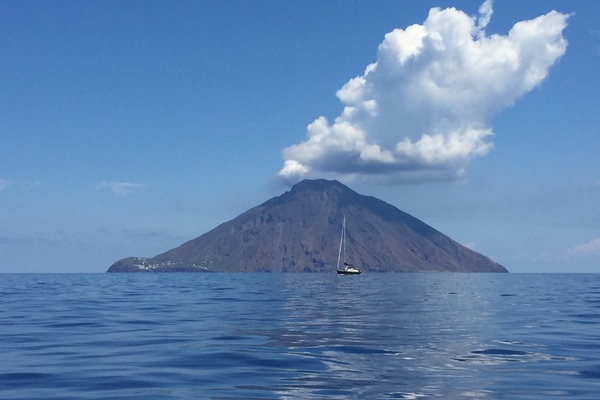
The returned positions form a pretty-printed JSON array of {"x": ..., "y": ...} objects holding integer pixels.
[
  {"x": 4, "y": 184},
  {"x": 422, "y": 111},
  {"x": 596, "y": 38},
  {"x": 120, "y": 188},
  {"x": 469, "y": 245},
  {"x": 593, "y": 246}
]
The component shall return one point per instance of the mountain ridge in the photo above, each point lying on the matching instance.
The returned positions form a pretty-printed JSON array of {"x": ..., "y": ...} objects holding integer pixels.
[{"x": 298, "y": 231}]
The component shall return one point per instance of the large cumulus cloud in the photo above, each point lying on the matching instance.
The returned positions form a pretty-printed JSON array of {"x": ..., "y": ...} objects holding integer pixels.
[{"x": 422, "y": 111}]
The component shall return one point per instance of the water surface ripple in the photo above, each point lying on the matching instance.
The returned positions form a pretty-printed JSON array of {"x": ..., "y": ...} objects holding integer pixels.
[{"x": 284, "y": 336}]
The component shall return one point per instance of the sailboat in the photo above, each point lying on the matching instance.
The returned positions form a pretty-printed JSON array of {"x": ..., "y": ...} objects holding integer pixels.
[{"x": 347, "y": 269}]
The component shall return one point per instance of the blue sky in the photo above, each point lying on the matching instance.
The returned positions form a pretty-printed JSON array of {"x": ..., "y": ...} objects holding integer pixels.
[{"x": 127, "y": 128}]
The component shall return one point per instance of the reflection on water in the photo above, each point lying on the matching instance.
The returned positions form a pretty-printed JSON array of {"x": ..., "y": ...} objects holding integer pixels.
[{"x": 277, "y": 336}]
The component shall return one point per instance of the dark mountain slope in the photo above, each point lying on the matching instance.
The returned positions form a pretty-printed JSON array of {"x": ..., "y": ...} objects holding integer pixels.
[{"x": 299, "y": 231}]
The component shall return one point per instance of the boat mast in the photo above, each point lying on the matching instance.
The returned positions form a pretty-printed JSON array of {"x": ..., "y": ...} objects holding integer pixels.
[
  {"x": 344, "y": 235},
  {"x": 342, "y": 239}
]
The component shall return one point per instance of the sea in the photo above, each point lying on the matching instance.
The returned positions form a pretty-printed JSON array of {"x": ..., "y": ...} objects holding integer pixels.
[{"x": 299, "y": 336}]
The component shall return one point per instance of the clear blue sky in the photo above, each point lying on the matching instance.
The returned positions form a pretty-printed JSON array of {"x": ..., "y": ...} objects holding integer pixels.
[{"x": 129, "y": 127}]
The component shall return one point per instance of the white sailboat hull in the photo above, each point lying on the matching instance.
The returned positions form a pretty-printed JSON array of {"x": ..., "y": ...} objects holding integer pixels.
[{"x": 349, "y": 271}]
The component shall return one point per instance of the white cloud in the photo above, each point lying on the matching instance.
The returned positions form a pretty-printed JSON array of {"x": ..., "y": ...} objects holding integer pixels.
[
  {"x": 593, "y": 246},
  {"x": 423, "y": 110},
  {"x": 120, "y": 188},
  {"x": 485, "y": 15}
]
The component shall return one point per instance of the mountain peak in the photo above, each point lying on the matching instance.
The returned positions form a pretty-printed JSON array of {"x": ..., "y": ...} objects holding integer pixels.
[{"x": 317, "y": 185}]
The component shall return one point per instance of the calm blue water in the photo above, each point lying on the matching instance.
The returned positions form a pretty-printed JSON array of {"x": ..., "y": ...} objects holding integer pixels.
[{"x": 283, "y": 336}]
